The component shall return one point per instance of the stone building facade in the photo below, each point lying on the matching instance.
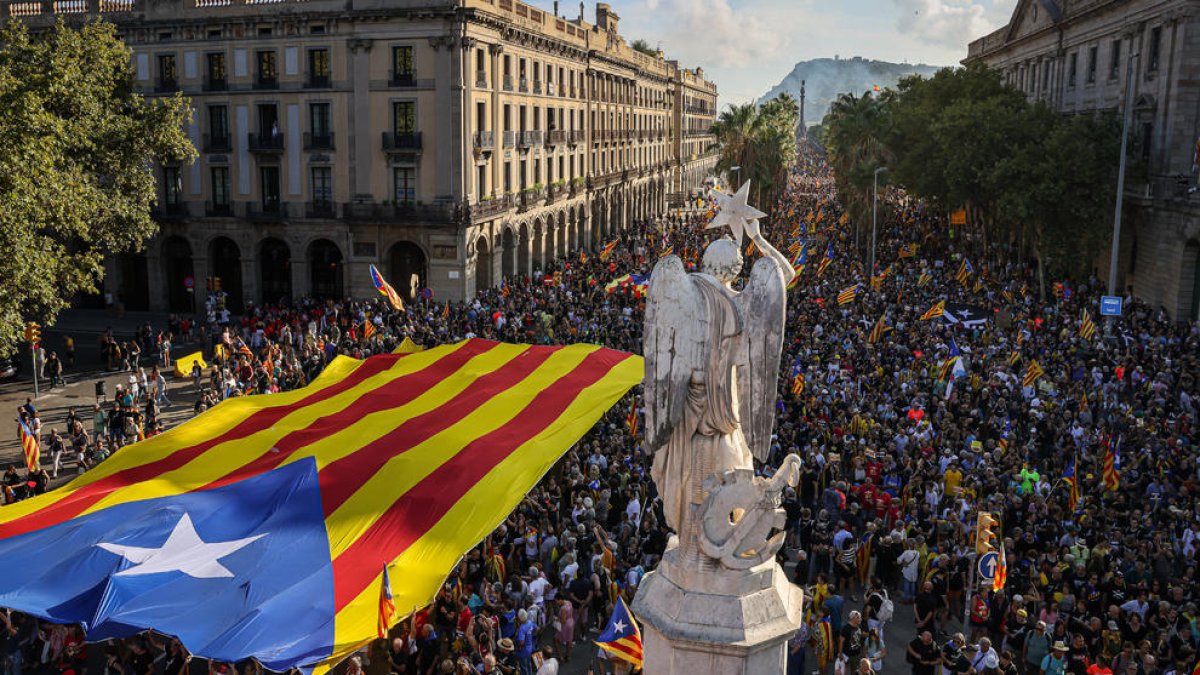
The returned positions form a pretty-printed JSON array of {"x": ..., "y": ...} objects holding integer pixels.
[
  {"x": 1076, "y": 56},
  {"x": 449, "y": 143}
]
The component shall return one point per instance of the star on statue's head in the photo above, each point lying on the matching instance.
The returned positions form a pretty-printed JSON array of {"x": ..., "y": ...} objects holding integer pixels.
[{"x": 732, "y": 210}]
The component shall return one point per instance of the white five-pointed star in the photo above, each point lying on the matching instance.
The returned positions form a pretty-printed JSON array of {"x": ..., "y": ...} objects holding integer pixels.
[
  {"x": 183, "y": 551},
  {"x": 732, "y": 210},
  {"x": 619, "y": 626}
]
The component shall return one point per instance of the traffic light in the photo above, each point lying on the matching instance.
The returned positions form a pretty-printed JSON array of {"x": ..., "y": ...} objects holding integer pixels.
[
  {"x": 33, "y": 333},
  {"x": 983, "y": 532}
]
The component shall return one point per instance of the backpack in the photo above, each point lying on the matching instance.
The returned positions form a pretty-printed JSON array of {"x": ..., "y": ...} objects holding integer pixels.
[{"x": 886, "y": 607}]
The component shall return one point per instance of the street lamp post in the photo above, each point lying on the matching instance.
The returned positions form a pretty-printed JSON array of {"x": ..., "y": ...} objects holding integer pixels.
[
  {"x": 1116, "y": 236},
  {"x": 875, "y": 215}
]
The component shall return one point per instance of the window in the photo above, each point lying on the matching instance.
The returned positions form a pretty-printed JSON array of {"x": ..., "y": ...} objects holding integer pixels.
[
  {"x": 404, "y": 117},
  {"x": 402, "y": 66},
  {"x": 1114, "y": 60},
  {"x": 322, "y": 185},
  {"x": 320, "y": 126},
  {"x": 1147, "y": 138},
  {"x": 1091, "y": 64},
  {"x": 220, "y": 187},
  {"x": 267, "y": 75},
  {"x": 1046, "y": 76},
  {"x": 167, "y": 77},
  {"x": 218, "y": 127},
  {"x": 269, "y": 175},
  {"x": 215, "y": 75},
  {"x": 508, "y": 177},
  {"x": 1155, "y": 49},
  {"x": 318, "y": 67},
  {"x": 172, "y": 187},
  {"x": 1071, "y": 65},
  {"x": 404, "y": 184}
]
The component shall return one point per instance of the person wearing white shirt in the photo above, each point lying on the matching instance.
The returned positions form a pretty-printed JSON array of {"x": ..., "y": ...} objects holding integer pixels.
[
  {"x": 986, "y": 657},
  {"x": 634, "y": 510},
  {"x": 537, "y": 587}
]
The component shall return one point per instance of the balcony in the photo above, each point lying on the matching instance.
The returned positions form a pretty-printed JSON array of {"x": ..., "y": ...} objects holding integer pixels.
[
  {"x": 215, "y": 84},
  {"x": 508, "y": 83},
  {"x": 510, "y": 139},
  {"x": 405, "y": 212},
  {"x": 166, "y": 86},
  {"x": 396, "y": 79},
  {"x": 537, "y": 86},
  {"x": 266, "y": 212},
  {"x": 318, "y": 82},
  {"x": 171, "y": 211},
  {"x": 394, "y": 143},
  {"x": 318, "y": 141},
  {"x": 321, "y": 208},
  {"x": 556, "y": 191},
  {"x": 489, "y": 208},
  {"x": 212, "y": 143},
  {"x": 217, "y": 210},
  {"x": 576, "y": 137},
  {"x": 485, "y": 141},
  {"x": 480, "y": 79},
  {"x": 523, "y": 86},
  {"x": 265, "y": 143},
  {"x": 530, "y": 139},
  {"x": 530, "y": 197},
  {"x": 550, "y": 89},
  {"x": 262, "y": 82},
  {"x": 556, "y": 137}
]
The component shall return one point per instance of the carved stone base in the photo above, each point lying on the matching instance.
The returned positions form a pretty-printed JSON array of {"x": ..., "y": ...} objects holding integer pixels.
[{"x": 716, "y": 621}]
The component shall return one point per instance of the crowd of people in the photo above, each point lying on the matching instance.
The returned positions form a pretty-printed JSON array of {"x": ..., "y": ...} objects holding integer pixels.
[{"x": 908, "y": 428}]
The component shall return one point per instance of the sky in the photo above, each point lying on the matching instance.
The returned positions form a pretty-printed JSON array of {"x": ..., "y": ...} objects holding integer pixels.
[{"x": 748, "y": 46}]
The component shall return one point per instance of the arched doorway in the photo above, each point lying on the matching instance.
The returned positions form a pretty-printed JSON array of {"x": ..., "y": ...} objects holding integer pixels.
[
  {"x": 325, "y": 266},
  {"x": 483, "y": 264},
  {"x": 225, "y": 263},
  {"x": 581, "y": 239},
  {"x": 406, "y": 259},
  {"x": 539, "y": 244},
  {"x": 275, "y": 271},
  {"x": 523, "y": 251},
  {"x": 177, "y": 266},
  {"x": 508, "y": 258},
  {"x": 134, "y": 292}
]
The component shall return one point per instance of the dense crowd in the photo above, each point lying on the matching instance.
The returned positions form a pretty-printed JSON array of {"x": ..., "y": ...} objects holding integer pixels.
[{"x": 902, "y": 449}]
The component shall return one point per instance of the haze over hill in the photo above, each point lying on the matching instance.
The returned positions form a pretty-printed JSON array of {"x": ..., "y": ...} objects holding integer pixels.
[{"x": 826, "y": 78}]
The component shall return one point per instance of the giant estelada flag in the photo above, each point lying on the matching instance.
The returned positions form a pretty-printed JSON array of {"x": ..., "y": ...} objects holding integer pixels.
[{"x": 262, "y": 528}]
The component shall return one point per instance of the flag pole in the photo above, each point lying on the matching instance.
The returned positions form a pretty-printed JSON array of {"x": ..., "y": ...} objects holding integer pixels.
[{"x": 1116, "y": 237}]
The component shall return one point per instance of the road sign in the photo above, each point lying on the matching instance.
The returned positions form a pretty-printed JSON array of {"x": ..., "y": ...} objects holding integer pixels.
[
  {"x": 1110, "y": 305},
  {"x": 189, "y": 282},
  {"x": 987, "y": 565}
]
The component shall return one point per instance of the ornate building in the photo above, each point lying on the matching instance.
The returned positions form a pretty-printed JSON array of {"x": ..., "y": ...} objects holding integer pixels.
[
  {"x": 448, "y": 143},
  {"x": 1076, "y": 55}
]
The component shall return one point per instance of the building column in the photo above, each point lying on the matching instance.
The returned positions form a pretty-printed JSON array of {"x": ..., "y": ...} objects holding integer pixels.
[
  {"x": 250, "y": 279},
  {"x": 301, "y": 278},
  {"x": 159, "y": 301}
]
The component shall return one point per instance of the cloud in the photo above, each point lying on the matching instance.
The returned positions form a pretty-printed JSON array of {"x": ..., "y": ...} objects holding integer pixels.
[
  {"x": 949, "y": 23},
  {"x": 709, "y": 31}
]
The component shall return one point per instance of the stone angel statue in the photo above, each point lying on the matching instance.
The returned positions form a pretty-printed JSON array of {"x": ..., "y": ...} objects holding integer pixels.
[{"x": 712, "y": 361}]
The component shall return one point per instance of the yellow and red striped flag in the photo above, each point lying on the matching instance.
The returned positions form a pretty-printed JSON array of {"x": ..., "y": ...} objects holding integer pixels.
[
  {"x": 881, "y": 328},
  {"x": 1111, "y": 472},
  {"x": 1087, "y": 327},
  {"x": 30, "y": 446},
  {"x": 847, "y": 294},
  {"x": 368, "y": 329},
  {"x": 387, "y": 605},
  {"x": 631, "y": 419},
  {"x": 935, "y": 311},
  {"x": 607, "y": 250},
  {"x": 386, "y": 289},
  {"x": 1001, "y": 574},
  {"x": 1032, "y": 373},
  {"x": 1013, "y": 358},
  {"x": 404, "y": 460}
]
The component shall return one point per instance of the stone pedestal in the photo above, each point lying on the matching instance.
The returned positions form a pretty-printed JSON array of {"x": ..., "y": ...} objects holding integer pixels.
[{"x": 715, "y": 620}]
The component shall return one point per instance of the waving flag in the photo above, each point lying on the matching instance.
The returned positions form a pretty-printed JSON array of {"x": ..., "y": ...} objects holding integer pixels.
[
  {"x": 1013, "y": 358},
  {"x": 881, "y": 328},
  {"x": 621, "y": 637},
  {"x": 260, "y": 528},
  {"x": 30, "y": 446},
  {"x": 1032, "y": 373},
  {"x": 1112, "y": 464},
  {"x": 797, "y": 376},
  {"x": 862, "y": 556},
  {"x": 631, "y": 420},
  {"x": 1087, "y": 327},
  {"x": 1071, "y": 479},
  {"x": 924, "y": 279},
  {"x": 964, "y": 271},
  {"x": 386, "y": 289},
  {"x": 826, "y": 260},
  {"x": 504, "y": 289},
  {"x": 387, "y": 605},
  {"x": 848, "y": 294},
  {"x": 934, "y": 312},
  {"x": 607, "y": 250},
  {"x": 368, "y": 329},
  {"x": 1003, "y": 442},
  {"x": 909, "y": 250},
  {"x": 1001, "y": 574},
  {"x": 799, "y": 262}
]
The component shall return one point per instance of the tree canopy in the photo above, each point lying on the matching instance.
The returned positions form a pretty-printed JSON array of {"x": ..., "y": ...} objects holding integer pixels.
[
  {"x": 77, "y": 178},
  {"x": 761, "y": 139},
  {"x": 1037, "y": 181}
]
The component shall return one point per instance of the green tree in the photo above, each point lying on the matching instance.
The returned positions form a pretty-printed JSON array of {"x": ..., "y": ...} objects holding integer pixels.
[
  {"x": 761, "y": 139},
  {"x": 77, "y": 178}
]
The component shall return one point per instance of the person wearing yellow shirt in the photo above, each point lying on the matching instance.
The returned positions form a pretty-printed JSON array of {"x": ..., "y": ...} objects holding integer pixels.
[{"x": 951, "y": 480}]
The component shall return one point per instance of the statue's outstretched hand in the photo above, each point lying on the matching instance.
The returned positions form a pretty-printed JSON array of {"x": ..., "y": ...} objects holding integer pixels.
[{"x": 753, "y": 230}]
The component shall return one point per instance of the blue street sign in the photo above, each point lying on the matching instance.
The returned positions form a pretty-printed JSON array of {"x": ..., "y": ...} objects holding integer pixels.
[
  {"x": 987, "y": 565},
  {"x": 1110, "y": 305}
]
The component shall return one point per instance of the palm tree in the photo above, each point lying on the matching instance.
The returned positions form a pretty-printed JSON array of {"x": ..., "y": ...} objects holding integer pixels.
[{"x": 761, "y": 140}]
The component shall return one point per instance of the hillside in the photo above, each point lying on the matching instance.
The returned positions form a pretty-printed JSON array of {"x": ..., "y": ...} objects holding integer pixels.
[{"x": 826, "y": 78}]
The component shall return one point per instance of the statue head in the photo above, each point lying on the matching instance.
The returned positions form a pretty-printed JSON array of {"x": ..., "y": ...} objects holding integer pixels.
[{"x": 723, "y": 260}]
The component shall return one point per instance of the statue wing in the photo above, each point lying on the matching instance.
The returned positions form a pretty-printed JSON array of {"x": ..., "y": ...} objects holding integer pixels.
[
  {"x": 763, "y": 306},
  {"x": 673, "y": 346}
]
